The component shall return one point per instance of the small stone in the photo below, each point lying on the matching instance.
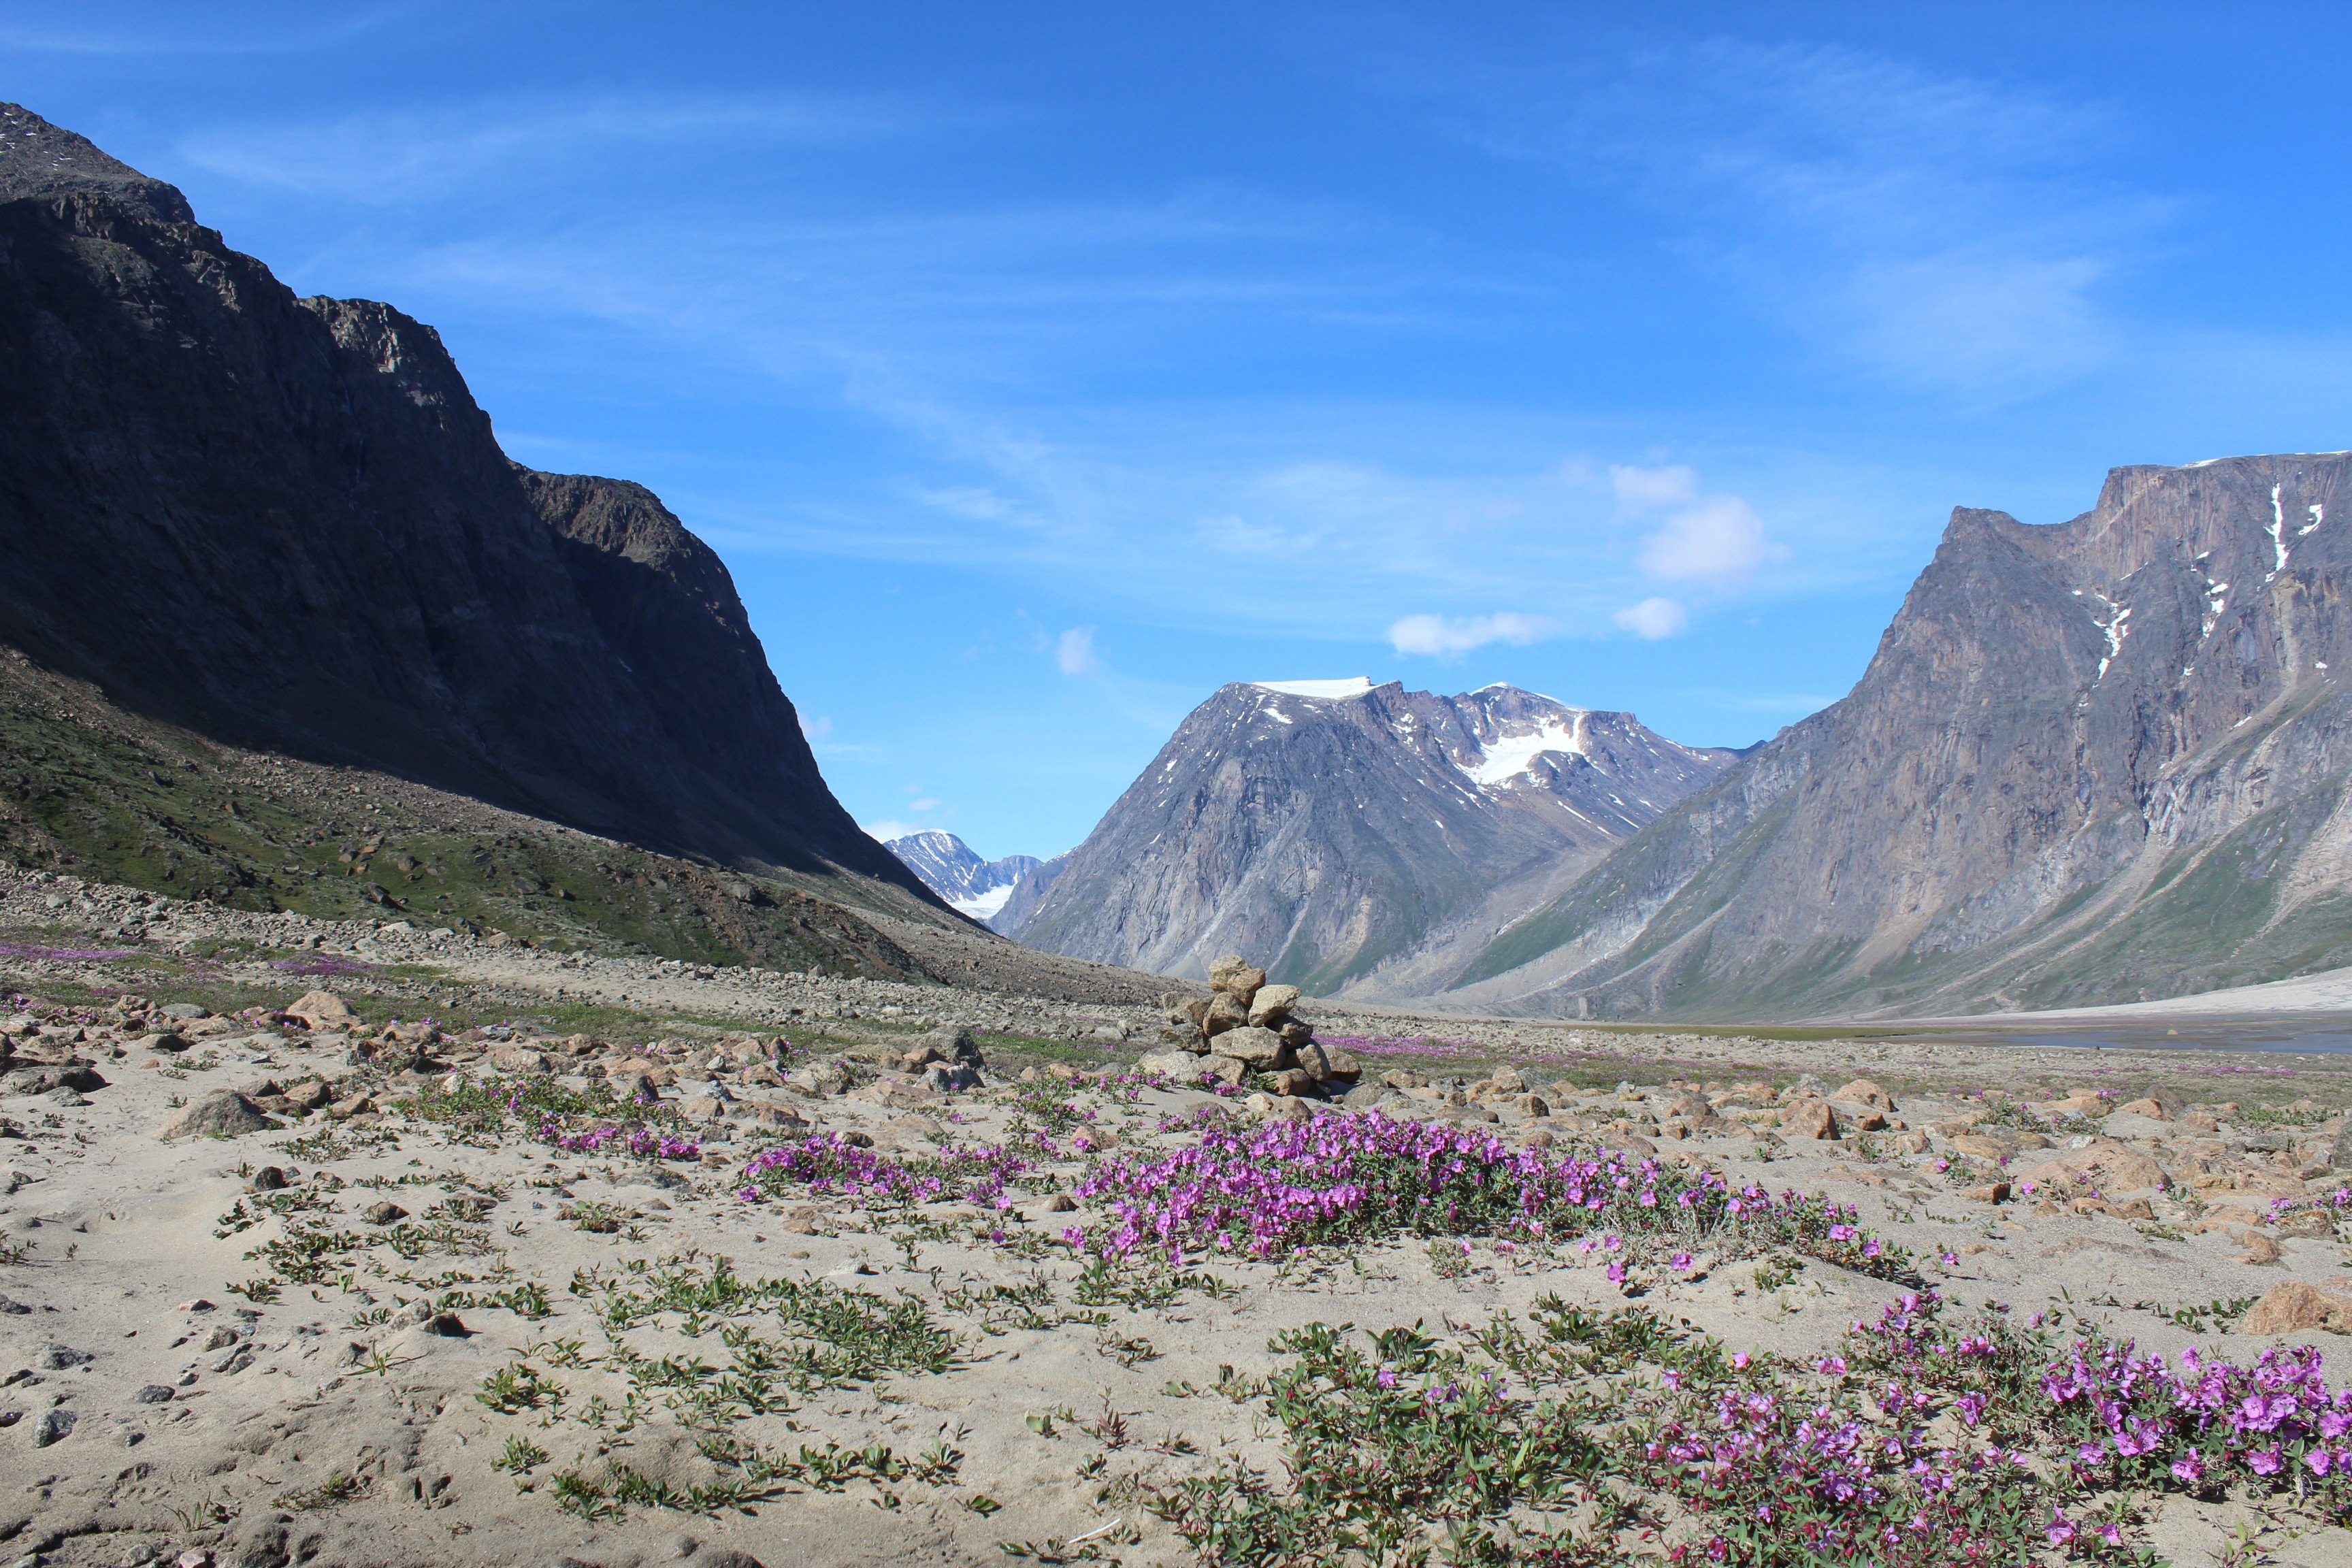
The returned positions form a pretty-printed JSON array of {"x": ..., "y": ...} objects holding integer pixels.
[
  {"x": 383, "y": 1213},
  {"x": 2261, "y": 1248},
  {"x": 1061, "y": 1202},
  {"x": 2151, "y": 1109},
  {"x": 13, "y": 1307},
  {"x": 59, "y": 1358},
  {"x": 1991, "y": 1193},
  {"x": 220, "y": 1339},
  {"x": 322, "y": 1010},
  {"x": 154, "y": 1393},
  {"x": 268, "y": 1179},
  {"x": 52, "y": 1425},
  {"x": 446, "y": 1324},
  {"x": 1861, "y": 1091}
]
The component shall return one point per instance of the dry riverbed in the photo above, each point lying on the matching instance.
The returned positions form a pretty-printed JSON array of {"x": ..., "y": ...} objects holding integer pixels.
[{"x": 633, "y": 1264}]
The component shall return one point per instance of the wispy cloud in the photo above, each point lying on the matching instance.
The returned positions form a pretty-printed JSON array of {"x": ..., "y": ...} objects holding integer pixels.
[
  {"x": 1074, "y": 652},
  {"x": 1653, "y": 619},
  {"x": 1944, "y": 231},
  {"x": 1445, "y": 635}
]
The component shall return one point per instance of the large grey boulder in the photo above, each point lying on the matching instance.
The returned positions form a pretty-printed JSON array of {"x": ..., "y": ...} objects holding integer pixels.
[
  {"x": 222, "y": 1114},
  {"x": 1260, "y": 1050}
]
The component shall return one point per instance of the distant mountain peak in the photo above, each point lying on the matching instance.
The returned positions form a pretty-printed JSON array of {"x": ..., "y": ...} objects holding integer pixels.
[
  {"x": 952, "y": 870},
  {"x": 1347, "y": 832}
]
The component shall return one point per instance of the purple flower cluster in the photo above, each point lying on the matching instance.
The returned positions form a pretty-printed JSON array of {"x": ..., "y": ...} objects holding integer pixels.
[
  {"x": 830, "y": 1162},
  {"x": 642, "y": 1141},
  {"x": 1278, "y": 1186},
  {"x": 321, "y": 964},
  {"x": 65, "y": 954}
]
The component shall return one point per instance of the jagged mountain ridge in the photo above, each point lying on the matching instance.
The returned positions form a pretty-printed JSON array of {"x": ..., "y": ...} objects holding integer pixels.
[
  {"x": 285, "y": 523},
  {"x": 955, "y": 871},
  {"x": 1331, "y": 830},
  {"x": 2098, "y": 761}
]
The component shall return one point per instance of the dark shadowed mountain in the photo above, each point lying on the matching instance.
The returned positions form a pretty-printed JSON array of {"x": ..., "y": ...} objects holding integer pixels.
[
  {"x": 284, "y": 523},
  {"x": 1352, "y": 836},
  {"x": 2098, "y": 761}
]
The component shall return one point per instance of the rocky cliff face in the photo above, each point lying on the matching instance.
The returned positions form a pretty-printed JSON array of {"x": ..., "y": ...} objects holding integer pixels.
[
  {"x": 1352, "y": 832},
  {"x": 2098, "y": 760},
  {"x": 285, "y": 523}
]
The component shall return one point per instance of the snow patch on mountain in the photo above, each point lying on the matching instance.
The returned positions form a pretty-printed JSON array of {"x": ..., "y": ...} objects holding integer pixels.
[
  {"x": 1506, "y": 757},
  {"x": 1324, "y": 690},
  {"x": 952, "y": 870}
]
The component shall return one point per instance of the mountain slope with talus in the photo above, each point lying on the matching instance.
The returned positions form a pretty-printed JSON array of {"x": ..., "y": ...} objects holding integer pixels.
[
  {"x": 2098, "y": 761},
  {"x": 1346, "y": 835}
]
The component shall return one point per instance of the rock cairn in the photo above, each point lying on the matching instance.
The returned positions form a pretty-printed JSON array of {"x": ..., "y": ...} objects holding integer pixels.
[{"x": 1246, "y": 1030}]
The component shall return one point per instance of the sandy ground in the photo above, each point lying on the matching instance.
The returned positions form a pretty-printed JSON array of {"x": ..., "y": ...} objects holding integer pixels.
[{"x": 326, "y": 1424}]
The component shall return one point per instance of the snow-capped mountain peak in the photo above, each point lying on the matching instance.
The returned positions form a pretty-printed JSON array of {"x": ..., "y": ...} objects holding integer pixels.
[{"x": 951, "y": 867}]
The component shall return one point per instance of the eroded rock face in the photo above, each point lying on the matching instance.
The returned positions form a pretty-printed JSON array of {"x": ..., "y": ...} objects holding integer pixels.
[{"x": 2055, "y": 710}]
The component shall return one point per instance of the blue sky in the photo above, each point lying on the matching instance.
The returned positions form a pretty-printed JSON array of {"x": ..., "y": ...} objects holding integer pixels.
[{"x": 1037, "y": 369}]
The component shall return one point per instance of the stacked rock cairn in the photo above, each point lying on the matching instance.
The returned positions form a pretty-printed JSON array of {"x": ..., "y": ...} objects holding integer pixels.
[{"x": 1245, "y": 1032}]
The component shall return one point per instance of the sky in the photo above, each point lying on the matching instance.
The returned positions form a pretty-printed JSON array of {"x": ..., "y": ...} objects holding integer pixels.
[{"x": 1037, "y": 369}]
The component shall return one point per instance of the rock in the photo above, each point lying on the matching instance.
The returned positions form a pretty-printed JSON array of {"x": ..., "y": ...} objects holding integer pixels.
[
  {"x": 154, "y": 1393},
  {"x": 48, "y": 1078},
  {"x": 727, "y": 1557},
  {"x": 1224, "y": 1070},
  {"x": 2292, "y": 1307},
  {"x": 2151, "y": 1109},
  {"x": 1809, "y": 1118},
  {"x": 1991, "y": 1192},
  {"x": 1807, "y": 1087},
  {"x": 1293, "y": 1081},
  {"x": 1061, "y": 1202},
  {"x": 2116, "y": 1171},
  {"x": 322, "y": 1010},
  {"x": 52, "y": 1425},
  {"x": 1224, "y": 1012},
  {"x": 386, "y": 1212},
  {"x": 60, "y": 1358},
  {"x": 2340, "y": 1157},
  {"x": 520, "y": 1058},
  {"x": 268, "y": 1179},
  {"x": 165, "y": 1045},
  {"x": 2261, "y": 1248},
  {"x": 448, "y": 1326},
  {"x": 1915, "y": 1141},
  {"x": 1272, "y": 1004},
  {"x": 1859, "y": 1116},
  {"x": 186, "y": 1012},
  {"x": 222, "y": 1114},
  {"x": 1326, "y": 1063},
  {"x": 1171, "y": 1063},
  {"x": 1261, "y": 1050},
  {"x": 1861, "y": 1091},
  {"x": 945, "y": 1079},
  {"x": 1363, "y": 1097},
  {"x": 357, "y": 1105}
]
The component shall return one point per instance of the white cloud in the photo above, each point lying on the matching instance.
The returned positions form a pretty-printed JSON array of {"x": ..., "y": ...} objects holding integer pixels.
[
  {"x": 1642, "y": 489},
  {"x": 928, "y": 803},
  {"x": 1719, "y": 541},
  {"x": 1074, "y": 652},
  {"x": 1442, "y": 634},
  {"x": 888, "y": 829},
  {"x": 815, "y": 730},
  {"x": 1653, "y": 619}
]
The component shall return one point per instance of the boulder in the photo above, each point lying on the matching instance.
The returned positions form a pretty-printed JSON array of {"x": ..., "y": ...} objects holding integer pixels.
[
  {"x": 1325, "y": 1063},
  {"x": 2292, "y": 1307},
  {"x": 1293, "y": 1081},
  {"x": 1809, "y": 1118},
  {"x": 222, "y": 1114},
  {"x": 1861, "y": 1091},
  {"x": 1260, "y": 1050},
  {"x": 1244, "y": 983},
  {"x": 1182, "y": 1064},
  {"x": 2151, "y": 1107},
  {"x": 1224, "y": 1012},
  {"x": 1272, "y": 1004},
  {"x": 35, "y": 1077},
  {"x": 322, "y": 1010},
  {"x": 2116, "y": 1171},
  {"x": 1224, "y": 968},
  {"x": 520, "y": 1058}
]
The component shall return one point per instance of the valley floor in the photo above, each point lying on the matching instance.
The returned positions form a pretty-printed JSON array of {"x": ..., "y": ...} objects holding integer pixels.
[{"x": 546, "y": 1258}]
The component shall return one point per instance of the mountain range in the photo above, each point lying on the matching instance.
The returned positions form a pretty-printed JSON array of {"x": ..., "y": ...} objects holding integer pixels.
[
  {"x": 2098, "y": 760},
  {"x": 1342, "y": 833}
]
